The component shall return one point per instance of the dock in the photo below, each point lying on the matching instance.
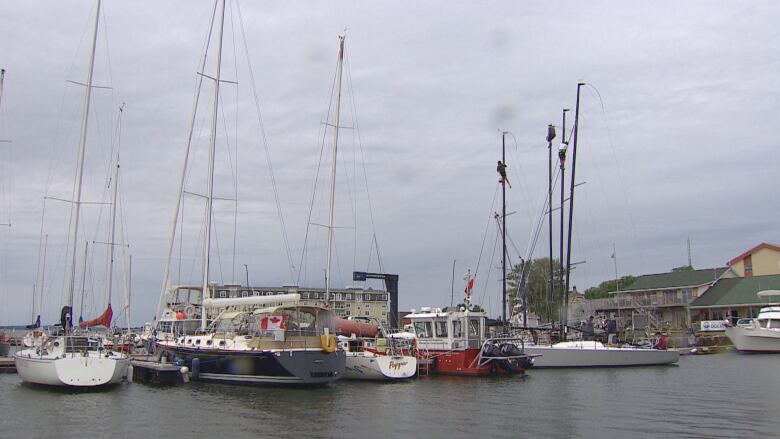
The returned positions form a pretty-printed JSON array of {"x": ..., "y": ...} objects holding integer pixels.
[
  {"x": 150, "y": 370},
  {"x": 7, "y": 365}
]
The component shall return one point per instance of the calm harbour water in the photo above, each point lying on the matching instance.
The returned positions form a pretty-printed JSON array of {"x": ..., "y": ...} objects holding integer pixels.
[{"x": 709, "y": 396}]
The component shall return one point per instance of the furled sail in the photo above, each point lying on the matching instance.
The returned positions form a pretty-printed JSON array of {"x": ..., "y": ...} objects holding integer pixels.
[{"x": 103, "y": 320}]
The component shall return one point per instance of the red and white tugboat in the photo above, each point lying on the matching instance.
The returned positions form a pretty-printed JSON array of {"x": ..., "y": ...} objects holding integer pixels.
[{"x": 456, "y": 343}]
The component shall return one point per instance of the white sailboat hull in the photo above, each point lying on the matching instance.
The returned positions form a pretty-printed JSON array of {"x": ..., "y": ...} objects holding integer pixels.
[
  {"x": 595, "y": 354},
  {"x": 754, "y": 339},
  {"x": 76, "y": 370},
  {"x": 370, "y": 366}
]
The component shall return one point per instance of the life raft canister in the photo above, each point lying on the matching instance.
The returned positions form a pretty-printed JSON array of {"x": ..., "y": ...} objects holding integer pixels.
[{"x": 328, "y": 343}]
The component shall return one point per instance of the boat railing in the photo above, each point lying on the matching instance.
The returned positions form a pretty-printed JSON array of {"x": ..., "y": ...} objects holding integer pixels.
[{"x": 488, "y": 353}]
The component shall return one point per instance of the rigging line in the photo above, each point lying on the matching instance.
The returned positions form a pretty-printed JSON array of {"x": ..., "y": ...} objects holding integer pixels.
[
  {"x": 489, "y": 272},
  {"x": 521, "y": 176},
  {"x": 216, "y": 244},
  {"x": 266, "y": 148},
  {"x": 38, "y": 274},
  {"x": 319, "y": 165},
  {"x": 184, "y": 172},
  {"x": 620, "y": 174},
  {"x": 234, "y": 175},
  {"x": 363, "y": 162},
  {"x": 487, "y": 228}
]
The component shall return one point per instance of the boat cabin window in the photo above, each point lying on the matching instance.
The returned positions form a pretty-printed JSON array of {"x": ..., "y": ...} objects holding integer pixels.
[
  {"x": 473, "y": 327},
  {"x": 457, "y": 331},
  {"x": 441, "y": 329},
  {"x": 774, "y": 324},
  {"x": 423, "y": 329},
  {"x": 763, "y": 323}
]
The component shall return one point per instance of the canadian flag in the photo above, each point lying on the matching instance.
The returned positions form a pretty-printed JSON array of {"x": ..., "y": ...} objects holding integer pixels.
[
  {"x": 271, "y": 323},
  {"x": 469, "y": 285}
]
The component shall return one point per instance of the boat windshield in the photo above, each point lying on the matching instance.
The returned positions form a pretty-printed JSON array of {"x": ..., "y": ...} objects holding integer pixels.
[
  {"x": 457, "y": 330},
  {"x": 305, "y": 321},
  {"x": 423, "y": 329},
  {"x": 74, "y": 343},
  {"x": 474, "y": 328}
]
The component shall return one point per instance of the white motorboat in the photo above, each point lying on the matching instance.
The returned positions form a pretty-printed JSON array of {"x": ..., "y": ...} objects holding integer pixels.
[
  {"x": 74, "y": 360},
  {"x": 596, "y": 354},
  {"x": 761, "y": 334}
]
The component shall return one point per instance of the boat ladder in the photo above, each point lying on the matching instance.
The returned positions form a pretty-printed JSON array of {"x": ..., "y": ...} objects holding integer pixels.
[{"x": 424, "y": 362}]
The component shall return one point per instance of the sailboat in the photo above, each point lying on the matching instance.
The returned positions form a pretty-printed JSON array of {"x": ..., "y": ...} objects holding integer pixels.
[
  {"x": 71, "y": 359},
  {"x": 246, "y": 340},
  {"x": 5, "y": 345},
  {"x": 585, "y": 353}
]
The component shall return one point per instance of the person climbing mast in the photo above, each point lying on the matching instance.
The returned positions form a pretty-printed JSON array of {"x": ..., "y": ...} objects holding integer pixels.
[{"x": 501, "y": 169}]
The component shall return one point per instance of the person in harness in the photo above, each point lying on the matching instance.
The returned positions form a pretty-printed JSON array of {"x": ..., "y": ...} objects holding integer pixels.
[{"x": 501, "y": 169}]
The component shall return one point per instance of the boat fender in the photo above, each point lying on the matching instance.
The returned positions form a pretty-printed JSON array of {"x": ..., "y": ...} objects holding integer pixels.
[
  {"x": 328, "y": 343},
  {"x": 195, "y": 368}
]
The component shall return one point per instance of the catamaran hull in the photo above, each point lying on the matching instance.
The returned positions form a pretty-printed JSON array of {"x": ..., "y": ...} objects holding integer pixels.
[
  {"x": 296, "y": 367},
  {"x": 756, "y": 340},
  {"x": 367, "y": 366},
  {"x": 585, "y": 356},
  {"x": 73, "y": 370}
]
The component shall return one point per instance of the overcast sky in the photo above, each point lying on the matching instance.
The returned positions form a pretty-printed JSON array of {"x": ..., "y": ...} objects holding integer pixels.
[{"x": 683, "y": 145}]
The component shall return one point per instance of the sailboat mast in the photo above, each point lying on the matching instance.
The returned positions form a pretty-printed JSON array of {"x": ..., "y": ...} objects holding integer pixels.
[
  {"x": 562, "y": 161},
  {"x": 503, "y": 230},
  {"x": 76, "y": 202},
  {"x": 571, "y": 199},
  {"x": 210, "y": 179},
  {"x": 112, "y": 233},
  {"x": 183, "y": 174},
  {"x": 333, "y": 169}
]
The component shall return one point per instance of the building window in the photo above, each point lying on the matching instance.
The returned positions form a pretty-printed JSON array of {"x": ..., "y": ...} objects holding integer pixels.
[
  {"x": 368, "y": 313},
  {"x": 222, "y": 293},
  {"x": 245, "y": 293}
]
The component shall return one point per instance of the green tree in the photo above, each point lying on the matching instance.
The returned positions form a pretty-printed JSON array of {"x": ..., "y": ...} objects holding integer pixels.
[
  {"x": 542, "y": 301},
  {"x": 682, "y": 268},
  {"x": 474, "y": 308},
  {"x": 608, "y": 286}
]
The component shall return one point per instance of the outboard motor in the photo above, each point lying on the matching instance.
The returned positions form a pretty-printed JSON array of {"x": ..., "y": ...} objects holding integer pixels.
[
  {"x": 510, "y": 350},
  {"x": 491, "y": 350},
  {"x": 66, "y": 318}
]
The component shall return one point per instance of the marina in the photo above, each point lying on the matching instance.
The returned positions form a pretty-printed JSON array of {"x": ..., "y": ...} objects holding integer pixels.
[
  {"x": 338, "y": 220},
  {"x": 710, "y": 396}
]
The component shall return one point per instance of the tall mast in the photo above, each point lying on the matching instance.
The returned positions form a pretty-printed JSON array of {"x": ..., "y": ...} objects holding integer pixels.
[
  {"x": 210, "y": 178},
  {"x": 571, "y": 199},
  {"x": 562, "y": 161},
  {"x": 183, "y": 175},
  {"x": 503, "y": 230},
  {"x": 112, "y": 232},
  {"x": 76, "y": 202},
  {"x": 550, "y": 137},
  {"x": 333, "y": 168}
]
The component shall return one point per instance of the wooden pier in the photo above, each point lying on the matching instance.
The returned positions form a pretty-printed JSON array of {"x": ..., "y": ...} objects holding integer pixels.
[
  {"x": 150, "y": 370},
  {"x": 7, "y": 365}
]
